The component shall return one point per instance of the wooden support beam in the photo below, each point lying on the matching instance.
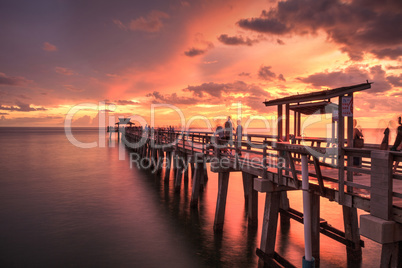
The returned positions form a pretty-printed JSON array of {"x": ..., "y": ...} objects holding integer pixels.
[
  {"x": 391, "y": 255},
  {"x": 292, "y": 168},
  {"x": 280, "y": 123},
  {"x": 274, "y": 260},
  {"x": 246, "y": 181},
  {"x": 287, "y": 122},
  {"x": 315, "y": 226},
  {"x": 284, "y": 206},
  {"x": 319, "y": 175},
  {"x": 252, "y": 211},
  {"x": 351, "y": 225},
  {"x": 299, "y": 124},
  {"x": 197, "y": 178},
  {"x": 223, "y": 183},
  {"x": 185, "y": 166},
  {"x": 179, "y": 175},
  {"x": 295, "y": 123},
  {"x": 168, "y": 165},
  {"x": 349, "y": 131},
  {"x": 269, "y": 225},
  {"x": 341, "y": 158}
]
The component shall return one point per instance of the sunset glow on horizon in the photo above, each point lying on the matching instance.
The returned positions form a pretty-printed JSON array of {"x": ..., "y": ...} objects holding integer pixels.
[{"x": 202, "y": 56}]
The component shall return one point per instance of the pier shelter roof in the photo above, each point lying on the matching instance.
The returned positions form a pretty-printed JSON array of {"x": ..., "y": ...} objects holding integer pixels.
[
  {"x": 318, "y": 103},
  {"x": 319, "y": 95}
]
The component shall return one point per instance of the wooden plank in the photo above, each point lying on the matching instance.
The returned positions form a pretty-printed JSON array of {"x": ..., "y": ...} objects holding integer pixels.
[{"x": 356, "y": 185}]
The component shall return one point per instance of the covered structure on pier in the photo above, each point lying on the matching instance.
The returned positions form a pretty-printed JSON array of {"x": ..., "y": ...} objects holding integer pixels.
[{"x": 318, "y": 103}]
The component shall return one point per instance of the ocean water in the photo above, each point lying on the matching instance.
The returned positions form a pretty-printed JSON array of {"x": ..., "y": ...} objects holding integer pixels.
[{"x": 66, "y": 206}]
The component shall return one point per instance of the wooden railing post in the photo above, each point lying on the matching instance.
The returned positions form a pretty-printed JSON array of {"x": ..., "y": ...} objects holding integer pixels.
[
  {"x": 264, "y": 162},
  {"x": 381, "y": 184}
]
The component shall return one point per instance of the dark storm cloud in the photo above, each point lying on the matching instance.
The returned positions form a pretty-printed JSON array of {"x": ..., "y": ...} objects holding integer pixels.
[
  {"x": 236, "y": 40},
  {"x": 358, "y": 26}
]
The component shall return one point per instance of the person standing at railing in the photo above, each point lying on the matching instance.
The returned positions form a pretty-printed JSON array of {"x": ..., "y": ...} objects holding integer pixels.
[
  {"x": 397, "y": 144},
  {"x": 239, "y": 135},
  {"x": 398, "y": 138},
  {"x": 358, "y": 142},
  {"x": 228, "y": 133},
  {"x": 218, "y": 136}
]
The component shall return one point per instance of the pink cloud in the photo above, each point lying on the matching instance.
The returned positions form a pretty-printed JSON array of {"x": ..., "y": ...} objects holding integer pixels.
[
  {"x": 151, "y": 23},
  {"x": 64, "y": 71},
  {"x": 49, "y": 47}
]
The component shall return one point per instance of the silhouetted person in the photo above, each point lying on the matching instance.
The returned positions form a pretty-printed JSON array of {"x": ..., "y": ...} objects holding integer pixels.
[
  {"x": 385, "y": 140},
  {"x": 358, "y": 143},
  {"x": 239, "y": 135},
  {"x": 228, "y": 131},
  {"x": 398, "y": 138}
]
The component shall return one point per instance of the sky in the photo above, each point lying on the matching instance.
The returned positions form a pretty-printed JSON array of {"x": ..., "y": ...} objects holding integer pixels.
[{"x": 193, "y": 59}]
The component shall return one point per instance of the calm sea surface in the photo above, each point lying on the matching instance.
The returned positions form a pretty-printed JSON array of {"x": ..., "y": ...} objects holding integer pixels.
[{"x": 65, "y": 206}]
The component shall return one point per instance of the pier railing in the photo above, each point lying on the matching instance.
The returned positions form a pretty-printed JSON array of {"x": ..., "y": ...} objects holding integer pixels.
[{"x": 264, "y": 156}]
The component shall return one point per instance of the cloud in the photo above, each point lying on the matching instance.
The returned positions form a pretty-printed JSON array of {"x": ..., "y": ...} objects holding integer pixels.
[
  {"x": 265, "y": 73},
  {"x": 391, "y": 53},
  {"x": 64, "y": 71},
  {"x": 236, "y": 40},
  {"x": 217, "y": 93},
  {"x": 358, "y": 26},
  {"x": 193, "y": 52},
  {"x": 354, "y": 74},
  {"x": 49, "y": 47},
  {"x": 23, "y": 121},
  {"x": 245, "y": 74},
  {"x": 151, "y": 23},
  {"x": 21, "y": 107},
  {"x": 12, "y": 80},
  {"x": 171, "y": 98},
  {"x": 73, "y": 88},
  {"x": 126, "y": 102},
  {"x": 281, "y": 78},
  {"x": 280, "y": 42},
  {"x": 395, "y": 80}
]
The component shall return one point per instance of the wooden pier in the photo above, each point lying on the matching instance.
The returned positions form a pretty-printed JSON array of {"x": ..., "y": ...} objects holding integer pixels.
[{"x": 275, "y": 164}]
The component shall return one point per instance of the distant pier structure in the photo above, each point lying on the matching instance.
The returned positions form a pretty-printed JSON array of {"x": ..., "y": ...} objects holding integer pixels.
[{"x": 275, "y": 164}]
